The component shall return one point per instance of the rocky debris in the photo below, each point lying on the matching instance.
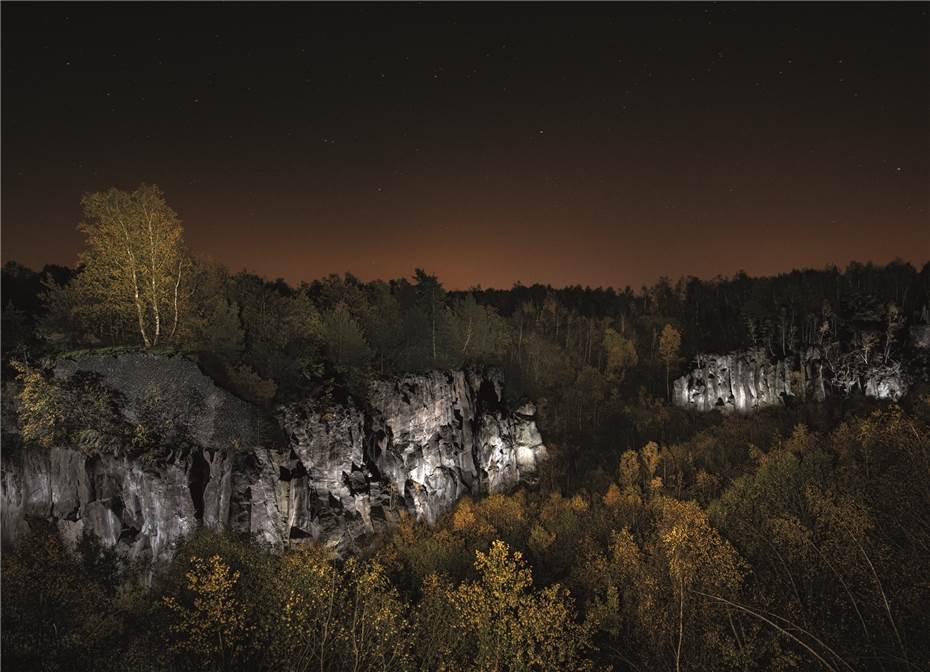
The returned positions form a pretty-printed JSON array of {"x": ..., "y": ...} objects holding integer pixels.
[
  {"x": 172, "y": 393},
  {"x": 342, "y": 474}
]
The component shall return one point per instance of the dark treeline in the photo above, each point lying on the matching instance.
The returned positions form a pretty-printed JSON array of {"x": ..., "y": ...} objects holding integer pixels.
[
  {"x": 738, "y": 312},
  {"x": 597, "y": 361}
]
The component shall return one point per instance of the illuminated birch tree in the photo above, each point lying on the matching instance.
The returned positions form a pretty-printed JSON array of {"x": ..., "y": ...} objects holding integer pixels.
[{"x": 135, "y": 263}]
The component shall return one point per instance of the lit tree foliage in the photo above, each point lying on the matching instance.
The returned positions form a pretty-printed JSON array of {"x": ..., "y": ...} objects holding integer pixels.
[
  {"x": 210, "y": 621},
  {"x": 373, "y": 628},
  {"x": 135, "y": 264},
  {"x": 78, "y": 412},
  {"x": 621, "y": 353},
  {"x": 498, "y": 623},
  {"x": 43, "y": 408}
]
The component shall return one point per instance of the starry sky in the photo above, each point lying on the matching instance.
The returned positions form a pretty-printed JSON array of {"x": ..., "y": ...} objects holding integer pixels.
[{"x": 598, "y": 144}]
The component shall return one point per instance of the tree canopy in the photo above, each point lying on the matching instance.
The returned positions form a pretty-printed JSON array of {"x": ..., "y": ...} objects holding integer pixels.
[{"x": 134, "y": 268}]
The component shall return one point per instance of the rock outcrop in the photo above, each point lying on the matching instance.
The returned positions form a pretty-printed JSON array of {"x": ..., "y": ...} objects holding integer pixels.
[
  {"x": 337, "y": 473},
  {"x": 747, "y": 381},
  {"x": 425, "y": 441},
  {"x": 737, "y": 381},
  {"x": 207, "y": 469}
]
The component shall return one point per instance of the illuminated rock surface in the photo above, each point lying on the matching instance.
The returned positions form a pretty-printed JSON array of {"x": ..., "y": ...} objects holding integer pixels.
[
  {"x": 747, "y": 381},
  {"x": 425, "y": 441},
  {"x": 336, "y": 473}
]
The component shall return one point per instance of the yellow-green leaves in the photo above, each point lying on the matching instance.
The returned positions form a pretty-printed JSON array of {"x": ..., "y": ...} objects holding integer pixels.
[
  {"x": 210, "y": 621},
  {"x": 497, "y": 622},
  {"x": 42, "y": 407},
  {"x": 135, "y": 264}
]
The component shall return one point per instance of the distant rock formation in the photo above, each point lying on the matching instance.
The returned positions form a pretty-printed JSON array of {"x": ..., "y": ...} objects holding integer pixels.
[
  {"x": 748, "y": 380},
  {"x": 338, "y": 473},
  {"x": 737, "y": 381}
]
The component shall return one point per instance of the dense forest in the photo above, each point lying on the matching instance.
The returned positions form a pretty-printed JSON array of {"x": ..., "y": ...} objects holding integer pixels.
[{"x": 656, "y": 539}]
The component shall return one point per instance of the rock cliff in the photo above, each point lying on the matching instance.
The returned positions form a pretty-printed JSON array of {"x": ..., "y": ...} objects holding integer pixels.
[
  {"x": 181, "y": 453},
  {"x": 337, "y": 473},
  {"x": 749, "y": 380}
]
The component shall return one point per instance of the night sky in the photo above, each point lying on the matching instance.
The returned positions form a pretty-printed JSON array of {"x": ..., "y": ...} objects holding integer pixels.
[{"x": 604, "y": 144}]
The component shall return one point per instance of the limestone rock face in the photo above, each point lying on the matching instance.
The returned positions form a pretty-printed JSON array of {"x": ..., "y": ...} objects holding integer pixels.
[
  {"x": 736, "y": 381},
  {"x": 747, "y": 381},
  {"x": 145, "y": 512},
  {"x": 326, "y": 478},
  {"x": 337, "y": 473},
  {"x": 425, "y": 441},
  {"x": 210, "y": 477}
]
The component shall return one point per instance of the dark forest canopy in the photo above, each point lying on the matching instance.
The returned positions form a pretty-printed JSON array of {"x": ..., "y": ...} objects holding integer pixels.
[
  {"x": 413, "y": 324},
  {"x": 584, "y": 354}
]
